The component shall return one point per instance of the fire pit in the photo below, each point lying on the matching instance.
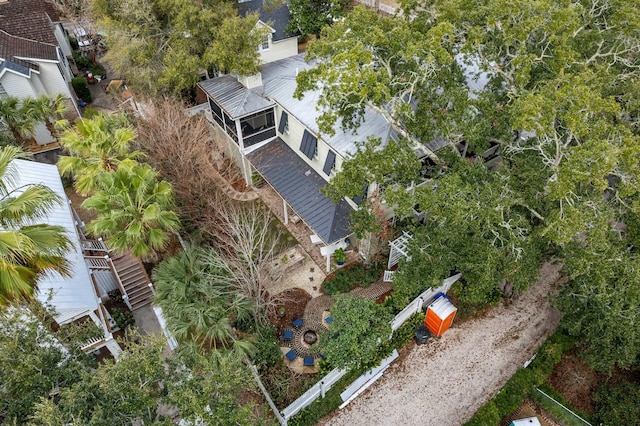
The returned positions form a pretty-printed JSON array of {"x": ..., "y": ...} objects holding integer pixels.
[{"x": 310, "y": 337}]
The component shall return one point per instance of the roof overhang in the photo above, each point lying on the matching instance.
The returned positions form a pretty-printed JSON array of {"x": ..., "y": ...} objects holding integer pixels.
[{"x": 299, "y": 185}]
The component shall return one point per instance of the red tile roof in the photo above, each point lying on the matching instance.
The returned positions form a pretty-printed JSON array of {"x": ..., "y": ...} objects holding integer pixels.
[
  {"x": 31, "y": 19},
  {"x": 12, "y": 46}
]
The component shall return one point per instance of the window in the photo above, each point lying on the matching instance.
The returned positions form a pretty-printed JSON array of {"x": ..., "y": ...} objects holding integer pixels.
[
  {"x": 258, "y": 127},
  {"x": 329, "y": 163},
  {"x": 309, "y": 145},
  {"x": 283, "y": 127},
  {"x": 264, "y": 45}
]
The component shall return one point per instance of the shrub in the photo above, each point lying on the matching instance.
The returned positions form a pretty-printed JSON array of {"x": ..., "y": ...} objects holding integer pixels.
[
  {"x": 81, "y": 87},
  {"x": 488, "y": 414},
  {"x": 352, "y": 276},
  {"x": 82, "y": 62},
  {"x": 123, "y": 318},
  {"x": 618, "y": 404}
]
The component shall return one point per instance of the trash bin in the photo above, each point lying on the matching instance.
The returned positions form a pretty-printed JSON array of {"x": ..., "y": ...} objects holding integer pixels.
[{"x": 422, "y": 334}]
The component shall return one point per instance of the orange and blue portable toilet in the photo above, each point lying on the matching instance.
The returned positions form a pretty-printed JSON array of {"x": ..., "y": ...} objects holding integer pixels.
[{"x": 440, "y": 314}]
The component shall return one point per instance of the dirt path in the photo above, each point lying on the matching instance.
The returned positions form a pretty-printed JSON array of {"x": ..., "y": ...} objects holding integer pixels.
[{"x": 444, "y": 382}]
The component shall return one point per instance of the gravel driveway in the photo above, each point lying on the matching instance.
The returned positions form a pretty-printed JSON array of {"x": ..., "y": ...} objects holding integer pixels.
[{"x": 444, "y": 382}]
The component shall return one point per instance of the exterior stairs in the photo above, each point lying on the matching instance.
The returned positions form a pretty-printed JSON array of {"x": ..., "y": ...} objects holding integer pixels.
[{"x": 134, "y": 279}]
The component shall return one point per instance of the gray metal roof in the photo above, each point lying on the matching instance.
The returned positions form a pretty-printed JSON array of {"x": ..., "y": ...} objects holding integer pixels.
[
  {"x": 278, "y": 19},
  {"x": 279, "y": 83},
  {"x": 233, "y": 97},
  {"x": 300, "y": 185}
]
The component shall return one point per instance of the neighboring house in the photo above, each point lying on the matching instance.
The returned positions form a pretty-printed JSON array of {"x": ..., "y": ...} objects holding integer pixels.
[
  {"x": 75, "y": 298},
  {"x": 271, "y": 132},
  {"x": 278, "y": 44},
  {"x": 33, "y": 50},
  {"x": 95, "y": 271}
]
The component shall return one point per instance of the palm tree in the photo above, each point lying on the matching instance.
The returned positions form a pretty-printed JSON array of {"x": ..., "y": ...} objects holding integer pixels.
[
  {"x": 96, "y": 146},
  {"x": 44, "y": 108},
  {"x": 197, "y": 296},
  {"x": 19, "y": 119},
  {"x": 27, "y": 250},
  {"x": 134, "y": 209}
]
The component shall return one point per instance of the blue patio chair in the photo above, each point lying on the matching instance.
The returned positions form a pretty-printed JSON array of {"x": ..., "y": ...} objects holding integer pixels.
[
  {"x": 297, "y": 323},
  {"x": 328, "y": 320},
  {"x": 287, "y": 335},
  {"x": 308, "y": 361},
  {"x": 291, "y": 355}
]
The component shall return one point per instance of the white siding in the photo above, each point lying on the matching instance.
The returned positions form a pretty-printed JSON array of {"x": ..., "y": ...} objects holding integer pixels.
[
  {"x": 63, "y": 41},
  {"x": 293, "y": 138},
  {"x": 18, "y": 85},
  {"x": 53, "y": 80},
  {"x": 279, "y": 50}
]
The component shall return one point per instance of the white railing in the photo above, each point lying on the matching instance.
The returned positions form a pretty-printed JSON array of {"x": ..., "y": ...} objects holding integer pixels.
[
  {"x": 317, "y": 390},
  {"x": 98, "y": 262},
  {"x": 94, "y": 245},
  {"x": 363, "y": 382}
]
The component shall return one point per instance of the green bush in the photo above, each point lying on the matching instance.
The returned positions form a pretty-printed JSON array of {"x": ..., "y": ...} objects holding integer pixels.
[
  {"x": 618, "y": 404},
  {"x": 124, "y": 318},
  {"x": 82, "y": 62},
  {"x": 357, "y": 275},
  {"x": 323, "y": 406},
  {"x": 488, "y": 414},
  {"x": 81, "y": 87}
]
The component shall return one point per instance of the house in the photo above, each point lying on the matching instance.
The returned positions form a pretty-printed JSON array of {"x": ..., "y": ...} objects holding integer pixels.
[
  {"x": 278, "y": 44},
  {"x": 95, "y": 271},
  {"x": 33, "y": 55},
  {"x": 270, "y": 132},
  {"x": 75, "y": 298}
]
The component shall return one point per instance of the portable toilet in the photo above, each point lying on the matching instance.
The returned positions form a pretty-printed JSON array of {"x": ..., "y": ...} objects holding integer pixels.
[{"x": 440, "y": 314}]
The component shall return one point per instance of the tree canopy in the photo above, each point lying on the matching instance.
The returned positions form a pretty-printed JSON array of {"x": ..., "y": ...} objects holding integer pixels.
[
  {"x": 550, "y": 88},
  {"x": 162, "y": 46}
]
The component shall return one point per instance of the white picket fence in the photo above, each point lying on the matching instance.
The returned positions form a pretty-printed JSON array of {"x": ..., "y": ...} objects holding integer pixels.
[
  {"x": 360, "y": 384},
  {"x": 419, "y": 302},
  {"x": 316, "y": 391}
]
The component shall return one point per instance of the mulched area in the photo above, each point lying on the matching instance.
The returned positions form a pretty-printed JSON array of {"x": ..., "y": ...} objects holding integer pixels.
[
  {"x": 576, "y": 382},
  {"x": 293, "y": 301}
]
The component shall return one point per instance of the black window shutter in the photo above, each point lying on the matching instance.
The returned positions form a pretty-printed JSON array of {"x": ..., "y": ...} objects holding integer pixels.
[
  {"x": 309, "y": 144},
  {"x": 329, "y": 163},
  {"x": 284, "y": 120}
]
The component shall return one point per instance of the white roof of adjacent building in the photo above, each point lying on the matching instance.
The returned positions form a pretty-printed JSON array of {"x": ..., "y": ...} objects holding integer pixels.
[
  {"x": 74, "y": 295},
  {"x": 531, "y": 421}
]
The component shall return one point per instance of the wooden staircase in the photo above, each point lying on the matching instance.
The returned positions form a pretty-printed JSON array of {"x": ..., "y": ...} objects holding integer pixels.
[{"x": 134, "y": 279}]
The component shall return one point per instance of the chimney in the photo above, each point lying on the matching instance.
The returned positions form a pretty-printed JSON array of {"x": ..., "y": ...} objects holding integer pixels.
[{"x": 251, "y": 81}]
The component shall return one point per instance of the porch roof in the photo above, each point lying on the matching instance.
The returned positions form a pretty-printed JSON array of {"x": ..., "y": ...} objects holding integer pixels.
[
  {"x": 299, "y": 185},
  {"x": 233, "y": 97}
]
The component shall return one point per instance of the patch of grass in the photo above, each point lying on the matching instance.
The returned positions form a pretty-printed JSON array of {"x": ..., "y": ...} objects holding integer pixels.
[{"x": 558, "y": 412}]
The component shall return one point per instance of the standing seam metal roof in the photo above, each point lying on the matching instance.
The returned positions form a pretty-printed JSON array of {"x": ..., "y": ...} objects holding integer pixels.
[
  {"x": 233, "y": 97},
  {"x": 300, "y": 186}
]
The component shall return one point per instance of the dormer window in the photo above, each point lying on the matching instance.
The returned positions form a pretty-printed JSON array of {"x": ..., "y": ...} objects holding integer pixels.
[{"x": 265, "y": 44}]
